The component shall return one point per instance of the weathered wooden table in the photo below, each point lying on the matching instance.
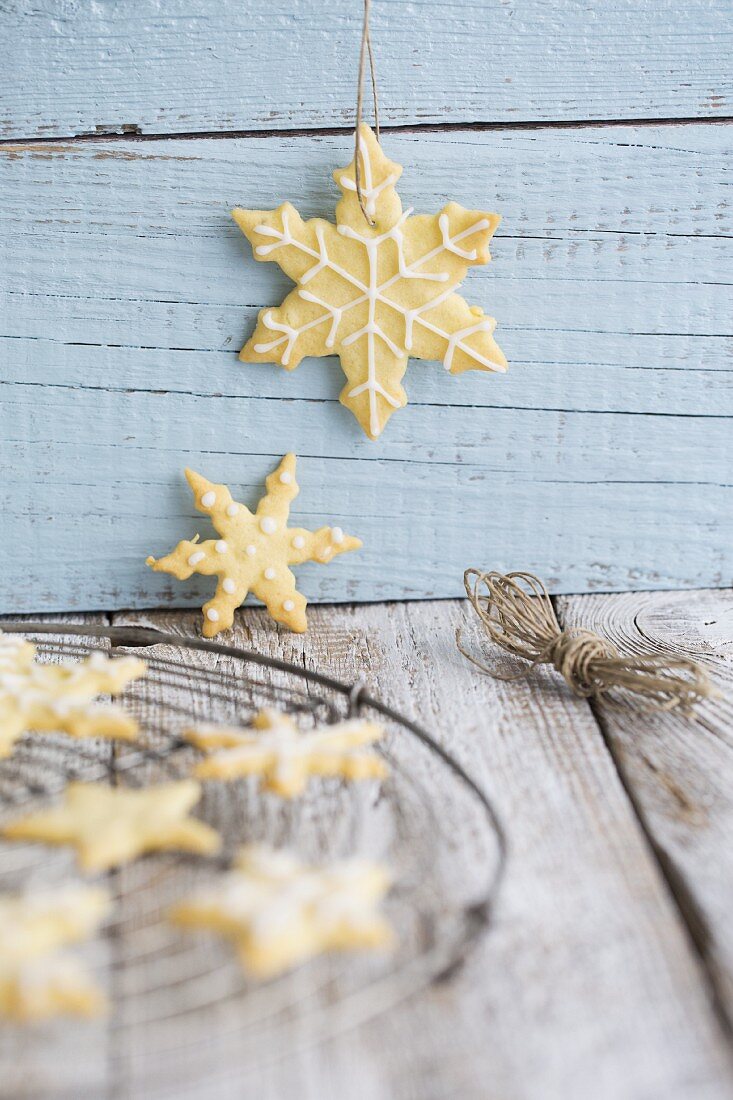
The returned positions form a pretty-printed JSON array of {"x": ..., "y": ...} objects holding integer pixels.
[
  {"x": 608, "y": 971},
  {"x": 126, "y": 134}
]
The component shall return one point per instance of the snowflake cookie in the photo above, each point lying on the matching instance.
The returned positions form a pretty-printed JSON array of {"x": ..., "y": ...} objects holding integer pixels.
[
  {"x": 36, "y": 979},
  {"x": 280, "y": 912},
  {"x": 285, "y": 757},
  {"x": 113, "y": 825},
  {"x": 377, "y": 295},
  {"x": 254, "y": 552},
  {"x": 45, "y": 697}
]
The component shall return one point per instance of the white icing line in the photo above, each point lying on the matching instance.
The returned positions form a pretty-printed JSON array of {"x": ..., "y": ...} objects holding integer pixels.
[
  {"x": 334, "y": 312},
  {"x": 412, "y": 315},
  {"x": 373, "y": 294},
  {"x": 449, "y": 243},
  {"x": 283, "y": 238},
  {"x": 369, "y": 190},
  {"x": 323, "y": 259},
  {"x": 455, "y": 341},
  {"x": 291, "y": 335}
]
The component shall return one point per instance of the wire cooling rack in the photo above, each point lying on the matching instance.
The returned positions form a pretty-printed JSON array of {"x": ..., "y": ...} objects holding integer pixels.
[{"x": 182, "y": 1010}]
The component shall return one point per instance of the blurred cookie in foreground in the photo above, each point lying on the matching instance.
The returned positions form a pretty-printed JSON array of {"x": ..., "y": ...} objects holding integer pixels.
[
  {"x": 279, "y": 912},
  {"x": 48, "y": 698},
  {"x": 285, "y": 757},
  {"x": 37, "y": 979},
  {"x": 113, "y": 825}
]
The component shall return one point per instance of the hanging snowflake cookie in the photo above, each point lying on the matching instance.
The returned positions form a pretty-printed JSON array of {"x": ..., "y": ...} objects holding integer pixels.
[
  {"x": 254, "y": 552},
  {"x": 373, "y": 295}
]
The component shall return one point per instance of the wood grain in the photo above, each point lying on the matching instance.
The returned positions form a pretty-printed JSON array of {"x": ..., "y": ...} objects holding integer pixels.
[
  {"x": 587, "y": 983},
  {"x": 129, "y": 295},
  {"x": 679, "y": 772},
  {"x": 185, "y": 67}
]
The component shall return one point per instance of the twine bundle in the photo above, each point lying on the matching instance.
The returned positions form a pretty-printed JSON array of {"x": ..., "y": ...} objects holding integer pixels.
[{"x": 517, "y": 614}]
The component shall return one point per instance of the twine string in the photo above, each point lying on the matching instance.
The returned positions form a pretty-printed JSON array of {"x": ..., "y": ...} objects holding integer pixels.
[
  {"x": 366, "y": 49},
  {"x": 517, "y": 614}
]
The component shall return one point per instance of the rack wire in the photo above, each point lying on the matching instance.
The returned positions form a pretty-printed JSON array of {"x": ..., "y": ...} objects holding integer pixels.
[{"x": 182, "y": 1010}]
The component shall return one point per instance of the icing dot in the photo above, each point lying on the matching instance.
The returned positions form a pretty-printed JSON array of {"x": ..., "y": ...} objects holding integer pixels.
[
  {"x": 228, "y": 585},
  {"x": 268, "y": 525},
  {"x": 288, "y": 606},
  {"x": 221, "y": 547},
  {"x": 209, "y": 499},
  {"x": 298, "y": 542},
  {"x": 270, "y": 574},
  {"x": 337, "y": 534},
  {"x": 251, "y": 550},
  {"x": 286, "y": 477},
  {"x": 326, "y": 552},
  {"x": 196, "y": 558},
  {"x": 232, "y": 509},
  {"x": 212, "y": 615}
]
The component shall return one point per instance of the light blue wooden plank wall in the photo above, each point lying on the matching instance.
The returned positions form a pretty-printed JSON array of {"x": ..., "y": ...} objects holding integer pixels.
[
  {"x": 602, "y": 460},
  {"x": 179, "y": 66}
]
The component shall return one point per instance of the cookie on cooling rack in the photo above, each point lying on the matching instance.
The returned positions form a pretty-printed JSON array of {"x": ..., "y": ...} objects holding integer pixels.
[
  {"x": 60, "y": 697},
  {"x": 285, "y": 757},
  {"x": 113, "y": 825},
  {"x": 37, "y": 980},
  {"x": 280, "y": 911}
]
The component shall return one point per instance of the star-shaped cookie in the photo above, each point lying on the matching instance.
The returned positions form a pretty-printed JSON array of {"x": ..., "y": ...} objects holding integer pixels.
[
  {"x": 254, "y": 552},
  {"x": 280, "y": 911},
  {"x": 60, "y": 697},
  {"x": 113, "y": 825},
  {"x": 285, "y": 757},
  {"x": 373, "y": 295},
  {"x": 36, "y": 979}
]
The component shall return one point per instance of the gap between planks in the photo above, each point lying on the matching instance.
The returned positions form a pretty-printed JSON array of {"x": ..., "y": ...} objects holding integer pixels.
[
  {"x": 665, "y": 752},
  {"x": 127, "y": 134},
  {"x": 689, "y": 910},
  {"x": 585, "y": 916},
  {"x": 556, "y": 776}
]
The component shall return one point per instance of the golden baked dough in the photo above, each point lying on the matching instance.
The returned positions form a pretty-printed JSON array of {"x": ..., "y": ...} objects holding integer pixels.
[
  {"x": 280, "y": 912},
  {"x": 113, "y": 825},
  {"x": 377, "y": 295},
  {"x": 285, "y": 757},
  {"x": 254, "y": 552}
]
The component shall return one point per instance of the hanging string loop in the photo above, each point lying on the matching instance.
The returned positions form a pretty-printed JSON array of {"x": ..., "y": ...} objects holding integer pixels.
[{"x": 366, "y": 49}]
